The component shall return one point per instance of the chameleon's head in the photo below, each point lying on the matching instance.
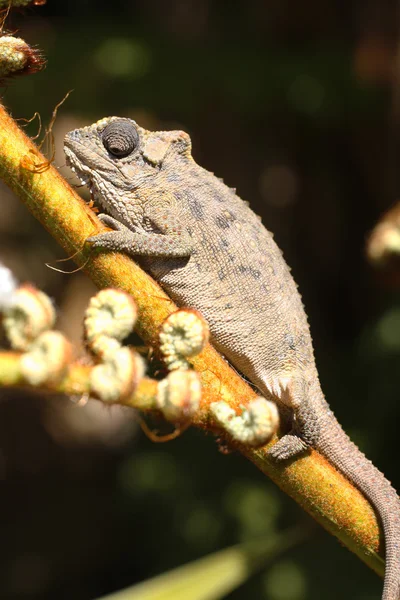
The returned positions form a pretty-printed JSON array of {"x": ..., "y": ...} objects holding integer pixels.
[{"x": 115, "y": 156}]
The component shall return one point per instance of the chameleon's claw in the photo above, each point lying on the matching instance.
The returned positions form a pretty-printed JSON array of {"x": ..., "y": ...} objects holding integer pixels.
[
  {"x": 289, "y": 446},
  {"x": 118, "y": 240},
  {"x": 111, "y": 222},
  {"x": 110, "y": 240}
]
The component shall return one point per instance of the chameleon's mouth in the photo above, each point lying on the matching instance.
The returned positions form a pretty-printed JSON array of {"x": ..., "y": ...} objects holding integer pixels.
[
  {"x": 80, "y": 170},
  {"x": 84, "y": 175},
  {"x": 84, "y": 179}
]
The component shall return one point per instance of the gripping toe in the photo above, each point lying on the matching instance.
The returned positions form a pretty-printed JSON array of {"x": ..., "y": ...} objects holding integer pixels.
[{"x": 287, "y": 447}]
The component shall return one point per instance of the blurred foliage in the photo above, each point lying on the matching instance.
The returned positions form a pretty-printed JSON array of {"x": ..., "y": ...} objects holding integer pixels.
[
  {"x": 292, "y": 103},
  {"x": 214, "y": 576}
]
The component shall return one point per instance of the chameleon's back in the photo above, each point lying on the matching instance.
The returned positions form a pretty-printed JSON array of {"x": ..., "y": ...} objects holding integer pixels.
[{"x": 237, "y": 278}]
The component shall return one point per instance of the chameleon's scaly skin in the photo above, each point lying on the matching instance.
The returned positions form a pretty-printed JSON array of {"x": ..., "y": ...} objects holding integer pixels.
[{"x": 208, "y": 250}]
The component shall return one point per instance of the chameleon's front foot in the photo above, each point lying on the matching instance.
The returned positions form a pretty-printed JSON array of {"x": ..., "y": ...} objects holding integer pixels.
[
  {"x": 139, "y": 243},
  {"x": 119, "y": 240}
]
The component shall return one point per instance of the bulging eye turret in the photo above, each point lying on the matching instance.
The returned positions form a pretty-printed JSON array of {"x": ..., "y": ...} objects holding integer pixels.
[{"x": 120, "y": 138}]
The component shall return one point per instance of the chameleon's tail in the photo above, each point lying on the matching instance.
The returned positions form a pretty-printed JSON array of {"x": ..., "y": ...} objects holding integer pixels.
[{"x": 343, "y": 454}]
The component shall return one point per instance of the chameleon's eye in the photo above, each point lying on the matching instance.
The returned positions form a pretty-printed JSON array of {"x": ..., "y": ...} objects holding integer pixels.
[{"x": 120, "y": 138}]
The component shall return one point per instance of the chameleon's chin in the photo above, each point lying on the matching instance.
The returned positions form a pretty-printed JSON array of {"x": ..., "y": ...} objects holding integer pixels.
[
  {"x": 85, "y": 176},
  {"x": 79, "y": 170}
]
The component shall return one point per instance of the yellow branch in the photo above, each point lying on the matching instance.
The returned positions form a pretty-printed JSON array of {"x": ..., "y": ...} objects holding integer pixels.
[
  {"x": 311, "y": 480},
  {"x": 75, "y": 382}
]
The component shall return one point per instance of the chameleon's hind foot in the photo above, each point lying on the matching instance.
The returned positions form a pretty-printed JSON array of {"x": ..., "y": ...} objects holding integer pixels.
[{"x": 289, "y": 446}]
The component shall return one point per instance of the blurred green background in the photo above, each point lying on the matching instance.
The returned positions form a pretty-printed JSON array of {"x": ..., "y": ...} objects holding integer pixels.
[{"x": 293, "y": 103}]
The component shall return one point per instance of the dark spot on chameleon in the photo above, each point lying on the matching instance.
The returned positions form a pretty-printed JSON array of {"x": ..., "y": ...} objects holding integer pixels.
[
  {"x": 223, "y": 242},
  {"x": 225, "y": 219},
  {"x": 253, "y": 272},
  {"x": 196, "y": 209},
  {"x": 290, "y": 341},
  {"x": 221, "y": 274},
  {"x": 222, "y": 223},
  {"x": 229, "y": 305}
]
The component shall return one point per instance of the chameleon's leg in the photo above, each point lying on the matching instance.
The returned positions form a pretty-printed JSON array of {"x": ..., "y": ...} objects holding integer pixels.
[
  {"x": 111, "y": 222},
  {"x": 305, "y": 425},
  {"x": 134, "y": 243},
  {"x": 289, "y": 446}
]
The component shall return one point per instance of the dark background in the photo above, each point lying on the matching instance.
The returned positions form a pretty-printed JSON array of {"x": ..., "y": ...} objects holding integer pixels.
[{"x": 292, "y": 103}]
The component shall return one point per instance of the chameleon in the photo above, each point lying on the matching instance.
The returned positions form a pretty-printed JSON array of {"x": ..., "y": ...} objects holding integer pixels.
[{"x": 210, "y": 251}]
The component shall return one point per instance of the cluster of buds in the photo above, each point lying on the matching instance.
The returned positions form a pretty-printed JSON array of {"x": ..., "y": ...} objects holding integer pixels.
[
  {"x": 18, "y": 58},
  {"x": 28, "y": 319},
  {"x": 183, "y": 335},
  {"x": 110, "y": 317},
  {"x": 254, "y": 427}
]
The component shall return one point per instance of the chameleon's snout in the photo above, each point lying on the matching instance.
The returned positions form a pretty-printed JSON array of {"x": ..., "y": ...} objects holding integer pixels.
[
  {"x": 73, "y": 136},
  {"x": 72, "y": 141}
]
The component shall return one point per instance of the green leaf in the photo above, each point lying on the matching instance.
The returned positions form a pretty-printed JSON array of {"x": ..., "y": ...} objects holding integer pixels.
[{"x": 214, "y": 576}]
